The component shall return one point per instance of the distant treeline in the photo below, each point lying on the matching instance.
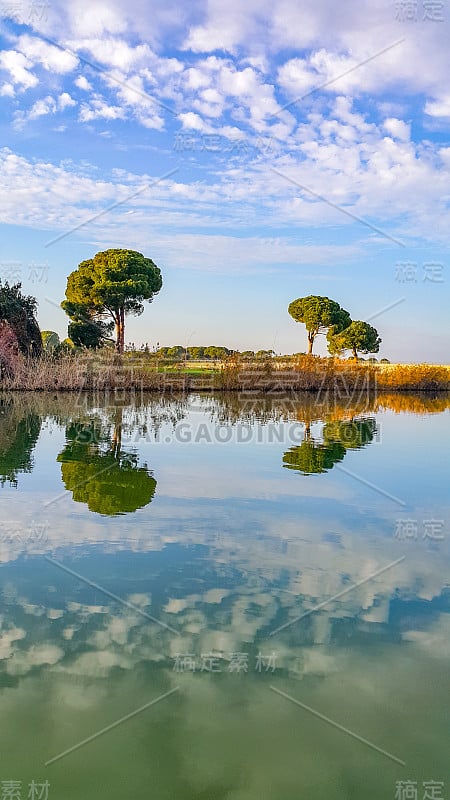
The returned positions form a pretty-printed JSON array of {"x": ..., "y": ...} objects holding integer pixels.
[{"x": 210, "y": 352}]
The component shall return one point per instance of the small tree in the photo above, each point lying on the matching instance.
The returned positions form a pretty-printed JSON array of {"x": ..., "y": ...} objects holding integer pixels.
[
  {"x": 50, "y": 341},
  {"x": 359, "y": 336},
  {"x": 319, "y": 315},
  {"x": 104, "y": 289},
  {"x": 87, "y": 332}
]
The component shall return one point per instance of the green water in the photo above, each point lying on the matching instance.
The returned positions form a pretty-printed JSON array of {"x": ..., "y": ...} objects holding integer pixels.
[{"x": 265, "y": 582}]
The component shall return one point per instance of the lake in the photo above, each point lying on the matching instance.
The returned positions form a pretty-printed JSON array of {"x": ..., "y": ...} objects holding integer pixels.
[{"x": 224, "y": 597}]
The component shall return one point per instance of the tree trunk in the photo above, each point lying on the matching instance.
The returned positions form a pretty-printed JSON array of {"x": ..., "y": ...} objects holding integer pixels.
[
  {"x": 117, "y": 343},
  {"x": 116, "y": 444},
  {"x": 120, "y": 330},
  {"x": 355, "y": 354},
  {"x": 310, "y": 342}
]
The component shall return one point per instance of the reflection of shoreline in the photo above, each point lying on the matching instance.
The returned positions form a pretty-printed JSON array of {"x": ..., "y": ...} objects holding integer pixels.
[
  {"x": 231, "y": 407},
  {"x": 145, "y": 420}
]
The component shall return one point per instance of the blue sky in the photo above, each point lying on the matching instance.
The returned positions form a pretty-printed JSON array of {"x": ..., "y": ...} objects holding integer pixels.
[{"x": 256, "y": 153}]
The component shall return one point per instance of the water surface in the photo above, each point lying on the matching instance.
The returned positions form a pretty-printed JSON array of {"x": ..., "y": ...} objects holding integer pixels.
[{"x": 273, "y": 572}]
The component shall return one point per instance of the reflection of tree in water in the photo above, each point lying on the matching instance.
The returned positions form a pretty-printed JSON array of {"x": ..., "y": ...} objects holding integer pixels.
[
  {"x": 19, "y": 432},
  {"x": 98, "y": 472},
  {"x": 313, "y": 456},
  {"x": 354, "y": 434}
]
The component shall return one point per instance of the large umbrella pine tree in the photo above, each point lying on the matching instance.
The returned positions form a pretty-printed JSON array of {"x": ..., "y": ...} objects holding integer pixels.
[{"x": 103, "y": 290}]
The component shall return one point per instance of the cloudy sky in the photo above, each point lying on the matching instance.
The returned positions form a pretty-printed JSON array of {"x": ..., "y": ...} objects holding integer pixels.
[{"x": 257, "y": 152}]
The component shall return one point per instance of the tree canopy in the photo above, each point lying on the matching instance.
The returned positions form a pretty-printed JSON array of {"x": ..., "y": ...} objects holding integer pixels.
[
  {"x": 88, "y": 333},
  {"x": 19, "y": 312},
  {"x": 319, "y": 315},
  {"x": 201, "y": 352},
  {"x": 103, "y": 290},
  {"x": 358, "y": 337}
]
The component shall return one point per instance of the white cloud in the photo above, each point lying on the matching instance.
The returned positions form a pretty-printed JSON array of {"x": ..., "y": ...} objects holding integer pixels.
[
  {"x": 99, "y": 109},
  {"x": 194, "y": 122},
  {"x": 94, "y": 18},
  {"x": 438, "y": 108},
  {"x": 18, "y": 67},
  {"x": 295, "y": 77},
  {"x": 7, "y": 90},
  {"x": 240, "y": 89},
  {"x": 336, "y": 154},
  {"x": 65, "y": 101},
  {"x": 83, "y": 83},
  {"x": 114, "y": 52},
  {"x": 42, "y": 107},
  {"x": 52, "y": 58},
  {"x": 398, "y": 128}
]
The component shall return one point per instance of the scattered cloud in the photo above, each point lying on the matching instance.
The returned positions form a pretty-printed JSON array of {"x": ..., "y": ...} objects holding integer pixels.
[
  {"x": 18, "y": 67},
  {"x": 438, "y": 108},
  {"x": 83, "y": 83},
  {"x": 53, "y": 59},
  {"x": 99, "y": 109},
  {"x": 397, "y": 128}
]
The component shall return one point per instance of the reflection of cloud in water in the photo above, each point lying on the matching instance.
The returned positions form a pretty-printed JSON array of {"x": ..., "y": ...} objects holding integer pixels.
[
  {"x": 7, "y": 639},
  {"x": 230, "y": 548},
  {"x": 22, "y": 661},
  {"x": 244, "y": 567},
  {"x": 435, "y": 640}
]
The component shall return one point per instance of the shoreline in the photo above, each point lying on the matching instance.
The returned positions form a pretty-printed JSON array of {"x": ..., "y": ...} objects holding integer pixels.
[{"x": 92, "y": 372}]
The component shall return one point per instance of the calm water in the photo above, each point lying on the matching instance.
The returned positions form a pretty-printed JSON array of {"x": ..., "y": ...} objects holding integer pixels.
[{"x": 265, "y": 583}]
